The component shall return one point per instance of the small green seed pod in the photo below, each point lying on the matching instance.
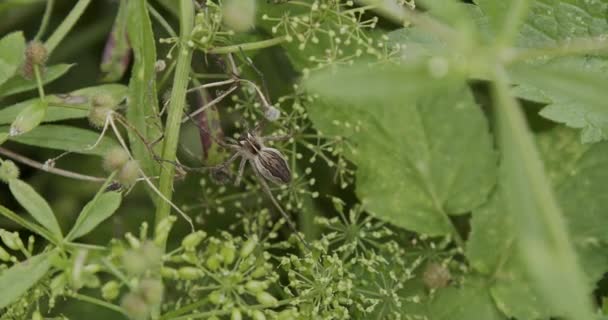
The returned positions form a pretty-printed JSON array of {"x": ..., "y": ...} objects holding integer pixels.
[
  {"x": 169, "y": 273},
  {"x": 192, "y": 240},
  {"x": 11, "y": 240},
  {"x": 36, "y": 315},
  {"x": 128, "y": 174},
  {"x": 8, "y": 171},
  {"x": 115, "y": 159},
  {"x": 239, "y": 15},
  {"x": 258, "y": 315},
  {"x": 104, "y": 100},
  {"x": 213, "y": 262},
  {"x": 217, "y": 297},
  {"x": 4, "y": 256},
  {"x": 266, "y": 299},
  {"x": 151, "y": 290},
  {"x": 248, "y": 246},
  {"x": 436, "y": 276},
  {"x": 255, "y": 286},
  {"x": 35, "y": 55},
  {"x": 110, "y": 290},
  {"x": 189, "y": 273},
  {"x": 228, "y": 253},
  {"x": 98, "y": 116},
  {"x": 135, "y": 306},
  {"x": 236, "y": 314}
]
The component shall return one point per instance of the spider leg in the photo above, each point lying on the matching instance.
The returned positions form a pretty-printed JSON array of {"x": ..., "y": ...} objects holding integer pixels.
[
  {"x": 277, "y": 138},
  {"x": 239, "y": 177},
  {"x": 266, "y": 189}
]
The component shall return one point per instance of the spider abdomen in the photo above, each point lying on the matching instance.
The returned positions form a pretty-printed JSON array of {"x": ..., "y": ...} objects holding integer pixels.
[{"x": 271, "y": 164}]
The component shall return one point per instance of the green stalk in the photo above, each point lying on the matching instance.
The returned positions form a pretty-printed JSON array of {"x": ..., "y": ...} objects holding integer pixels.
[
  {"x": 66, "y": 25},
  {"x": 45, "y": 19},
  {"x": 247, "y": 46},
  {"x": 176, "y": 108}
]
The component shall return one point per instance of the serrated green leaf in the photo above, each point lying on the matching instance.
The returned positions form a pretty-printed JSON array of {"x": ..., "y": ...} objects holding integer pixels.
[
  {"x": 73, "y": 105},
  {"x": 18, "y": 83},
  {"x": 66, "y": 138},
  {"x": 19, "y": 278},
  {"x": 470, "y": 301},
  {"x": 143, "y": 105},
  {"x": 12, "y": 48},
  {"x": 35, "y": 205},
  {"x": 574, "y": 90},
  {"x": 418, "y": 140},
  {"x": 94, "y": 213}
]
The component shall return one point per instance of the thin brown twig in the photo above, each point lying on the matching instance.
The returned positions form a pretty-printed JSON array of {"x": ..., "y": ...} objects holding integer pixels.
[{"x": 53, "y": 170}]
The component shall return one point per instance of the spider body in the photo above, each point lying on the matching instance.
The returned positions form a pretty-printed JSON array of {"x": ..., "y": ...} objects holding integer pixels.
[{"x": 265, "y": 161}]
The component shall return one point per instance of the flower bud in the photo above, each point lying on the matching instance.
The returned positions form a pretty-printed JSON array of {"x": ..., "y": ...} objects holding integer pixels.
[
  {"x": 257, "y": 315},
  {"x": 192, "y": 240},
  {"x": 271, "y": 113},
  {"x": 29, "y": 118},
  {"x": 249, "y": 246},
  {"x": 128, "y": 174},
  {"x": 8, "y": 171},
  {"x": 151, "y": 290},
  {"x": 266, "y": 299},
  {"x": 104, "y": 100},
  {"x": 110, "y": 290},
  {"x": 228, "y": 253},
  {"x": 135, "y": 306},
  {"x": 4, "y": 256},
  {"x": 255, "y": 286},
  {"x": 169, "y": 273},
  {"x": 115, "y": 159},
  {"x": 236, "y": 314},
  {"x": 36, "y": 315},
  {"x": 11, "y": 240},
  {"x": 162, "y": 230},
  {"x": 58, "y": 283},
  {"x": 189, "y": 273},
  {"x": 259, "y": 272},
  {"x": 217, "y": 297},
  {"x": 213, "y": 262},
  {"x": 287, "y": 314},
  {"x": 98, "y": 116},
  {"x": 35, "y": 55},
  {"x": 436, "y": 276},
  {"x": 238, "y": 15}
]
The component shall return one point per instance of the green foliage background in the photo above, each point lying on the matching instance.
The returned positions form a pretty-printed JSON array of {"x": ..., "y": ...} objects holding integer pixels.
[{"x": 448, "y": 158}]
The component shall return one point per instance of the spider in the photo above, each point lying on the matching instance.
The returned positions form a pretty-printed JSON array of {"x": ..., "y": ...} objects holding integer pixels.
[{"x": 267, "y": 164}]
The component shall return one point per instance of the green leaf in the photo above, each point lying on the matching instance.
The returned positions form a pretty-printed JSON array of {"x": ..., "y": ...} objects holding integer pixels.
[
  {"x": 19, "y": 278},
  {"x": 66, "y": 138},
  {"x": 27, "y": 224},
  {"x": 12, "y": 48},
  {"x": 18, "y": 83},
  {"x": 75, "y": 104},
  {"x": 117, "y": 52},
  {"x": 143, "y": 106},
  {"x": 470, "y": 301},
  {"x": 412, "y": 170},
  {"x": 94, "y": 213},
  {"x": 546, "y": 249},
  {"x": 29, "y": 118},
  {"x": 574, "y": 92},
  {"x": 35, "y": 205}
]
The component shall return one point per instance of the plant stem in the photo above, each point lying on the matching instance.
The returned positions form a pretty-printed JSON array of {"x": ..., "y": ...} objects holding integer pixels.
[
  {"x": 176, "y": 108},
  {"x": 39, "y": 82},
  {"x": 247, "y": 46},
  {"x": 208, "y": 314},
  {"x": 45, "y": 19},
  {"x": 66, "y": 25},
  {"x": 98, "y": 302},
  {"x": 516, "y": 15},
  {"x": 57, "y": 171}
]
